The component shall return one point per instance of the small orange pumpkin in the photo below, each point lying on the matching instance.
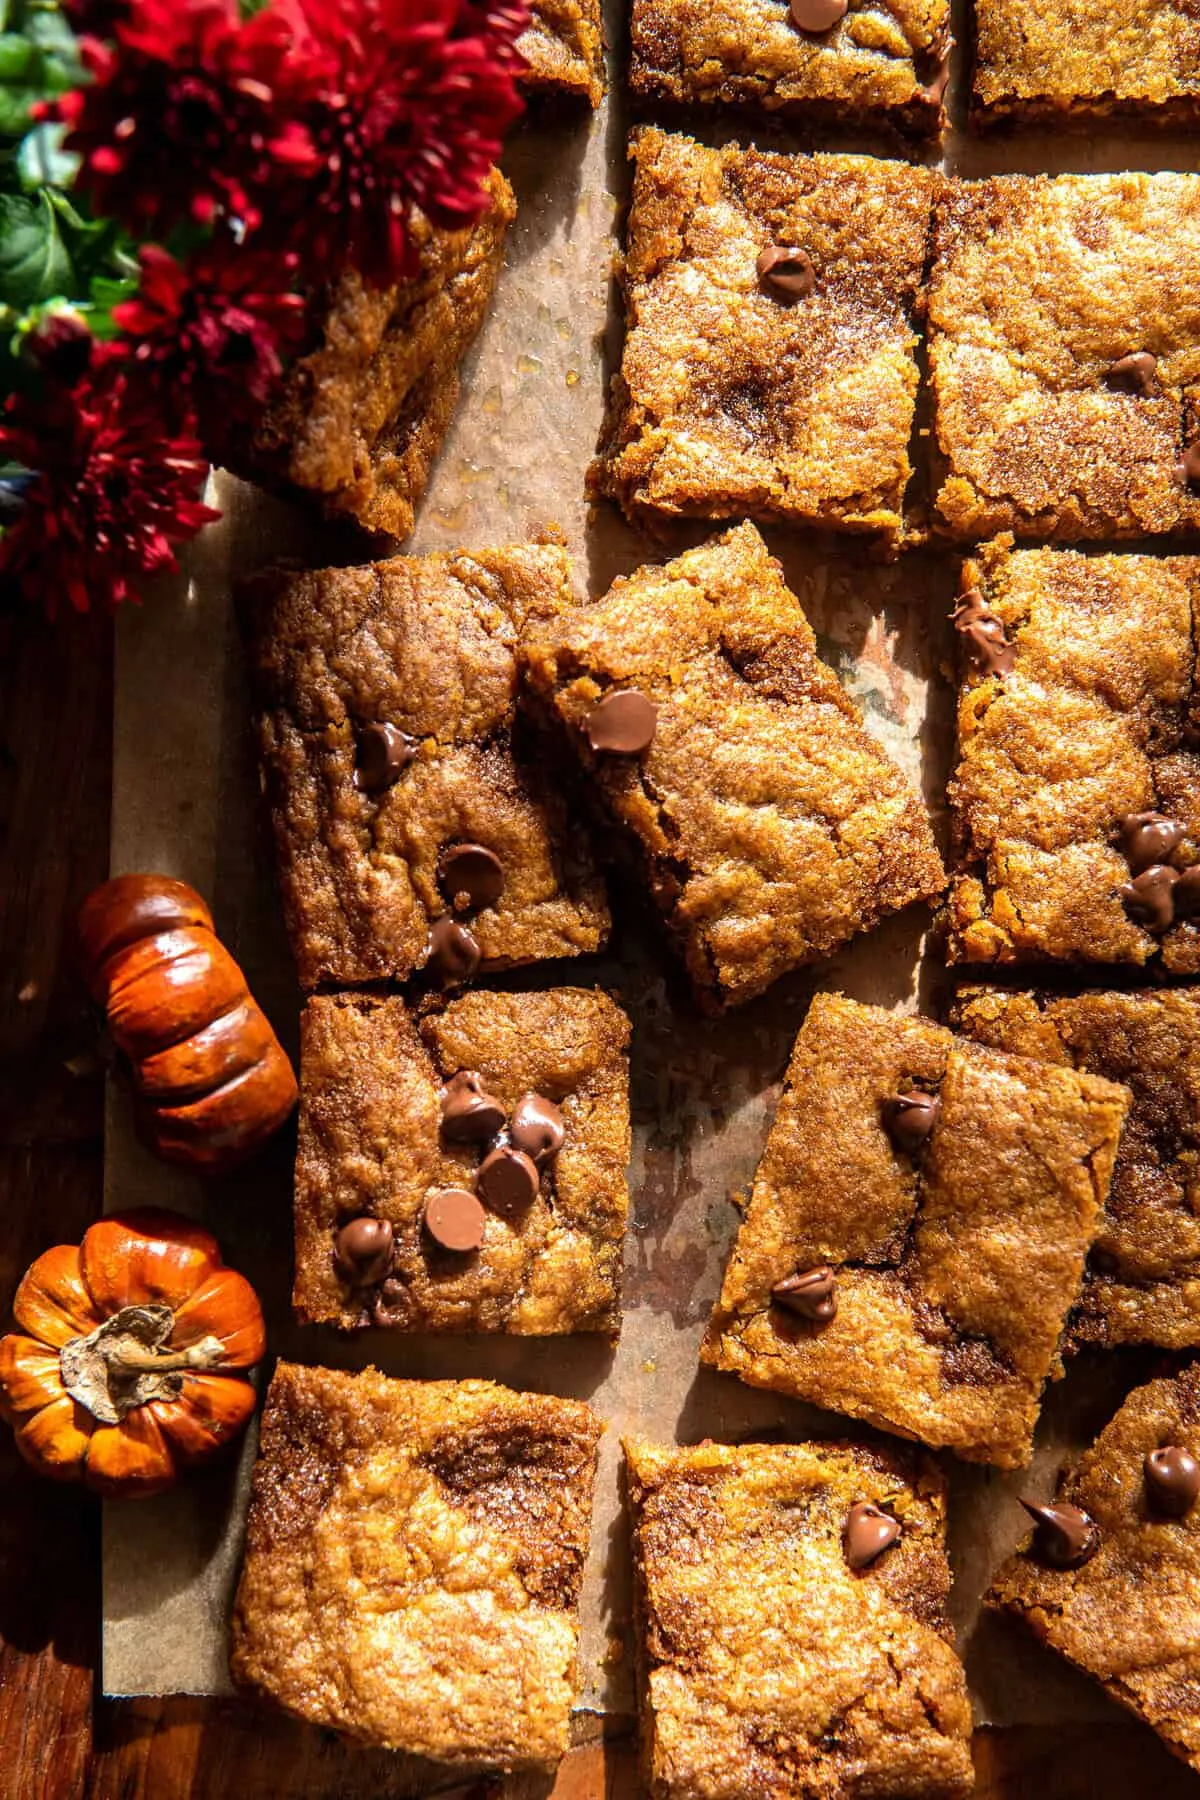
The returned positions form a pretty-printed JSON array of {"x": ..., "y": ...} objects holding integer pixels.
[
  {"x": 210, "y": 1078},
  {"x": 119, "y": 1378}
]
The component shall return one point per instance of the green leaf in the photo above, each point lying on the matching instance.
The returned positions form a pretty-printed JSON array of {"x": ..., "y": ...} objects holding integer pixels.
[
  {"x": 104, "y": 293},
  {"x": 34, "y": 262}
]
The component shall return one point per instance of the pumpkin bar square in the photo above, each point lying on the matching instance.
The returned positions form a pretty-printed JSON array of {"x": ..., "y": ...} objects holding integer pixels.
[
  {"x": 792, "y": 1636},
  {"x": 1110, "y": 1579},
  {"x": 506, "y": 1115},
  {"x": 363, "y": 410},
  {"x": 769, "y": 368},
  {"x": 1064, "y": 353},
  {"x": 413, "y": 1563},
  {"x": 1142, "y": 1284},
  {"x": 917, "y": 1230},
  {"x": 1047, "y": 61},
  {"x": 766, "y": 824},
  {"x": 1076, "y": 796},
  {"x": 816, "y": 62},
  {"x": 413, "y": 822},
  {"x": 563, "y": 48}
]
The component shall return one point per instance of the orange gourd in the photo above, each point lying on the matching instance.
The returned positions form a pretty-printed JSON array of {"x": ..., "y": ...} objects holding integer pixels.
[
  {"x": 210, "y": 1078},
  {"x": 129, "y": 1364}
]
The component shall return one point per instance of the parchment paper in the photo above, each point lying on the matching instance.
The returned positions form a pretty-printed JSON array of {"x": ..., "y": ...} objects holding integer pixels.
[{"x": 185, "y": 802}]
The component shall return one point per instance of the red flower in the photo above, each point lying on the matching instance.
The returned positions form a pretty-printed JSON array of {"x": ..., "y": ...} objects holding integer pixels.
[
  {"x": 186, "y": 115},
  {"x": 408, "y": 104},
  {"x": 212, "y": 336},
  {"x": 110, "y": 492}
]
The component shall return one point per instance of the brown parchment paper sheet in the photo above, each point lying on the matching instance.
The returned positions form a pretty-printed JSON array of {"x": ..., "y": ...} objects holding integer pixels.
[{"x": 185, "y": 802}]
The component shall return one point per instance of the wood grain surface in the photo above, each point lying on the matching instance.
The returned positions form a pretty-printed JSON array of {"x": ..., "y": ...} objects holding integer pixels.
[{"x": 56, "y": 1741}]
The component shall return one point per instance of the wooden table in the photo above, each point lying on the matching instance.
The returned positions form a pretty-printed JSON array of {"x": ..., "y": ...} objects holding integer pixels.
[{"x": 58, "y": 1741}]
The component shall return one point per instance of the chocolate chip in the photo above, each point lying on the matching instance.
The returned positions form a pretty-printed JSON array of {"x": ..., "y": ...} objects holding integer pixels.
[
  {"x": 362, "y": 1251},
  {"x": 1066, "y": 1536},
  {"x": 817, "y": 16},
  {"x": 867, "y": 1533},
  {"x": 909, "y": 1120},
  {"x": 809, "y": 1294},
  {"x": 392, "y": 1304},
  {"x": 470, "y": 1115},
  {"x": 1189, "y": 467},
  {"x": 508, "y": 1179},
  {"x": 382, "y": 754},
  {"x": 454, "y": 1219},
  {"x": 1149, "y": 898},
  {"x": 788, "y": 273},
  {"x": 984, "y": 637},
  {"x": 1148, "y": 838},
  {"x": 537, "y": 1128},
  {"x": 470, "y": 876},
  {"x": 1185, "y": 895},
  {"x": 935, "y": 90},
  {"x": 453, "y": 950},
  {"x": 622, "y": 723},
  {"x": 1132, "y": 374},
  {"x": 1172, "y": 1480}
]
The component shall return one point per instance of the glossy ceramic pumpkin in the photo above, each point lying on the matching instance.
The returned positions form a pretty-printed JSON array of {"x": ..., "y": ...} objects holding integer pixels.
[
  {"x": 210, "y": 1078},
  {"x": 129, "y": 1363}
]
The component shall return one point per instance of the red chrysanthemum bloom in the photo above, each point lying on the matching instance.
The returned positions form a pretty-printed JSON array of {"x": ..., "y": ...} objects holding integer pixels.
[
  {"x": 212, "y": 336},
  {"x": 187, "y": 115},
  {"x": 408, "y": 104},
  {"x": 110, "y": 492}
]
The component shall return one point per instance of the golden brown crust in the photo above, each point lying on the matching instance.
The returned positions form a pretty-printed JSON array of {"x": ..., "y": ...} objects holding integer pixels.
[
  {"x": 871, "y": 68},
  {"x": 1130, "y": 1616},
  {"x": 731, "y": 404},
  {"x": 768, "y": 1667},
  {"x": 414, "y": 1557},
  {"x": 1143, "y": 1276},
  {"x": 371, "y": 1144},
  {"x": 954, "y": 1275},
  {"x": 1039, "y": 285},
  {"x": 1095, "y": 721},
  {"x": 563, "y": 49},
  {"x": 363, "y": 415},
  {"x": 1049, "y": 60},
  {"x": 768, "y": 825},
  {"x": 427, "y": 645}
]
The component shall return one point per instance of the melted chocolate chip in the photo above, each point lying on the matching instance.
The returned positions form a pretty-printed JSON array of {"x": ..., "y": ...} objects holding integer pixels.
[
  {"x": 470, "y": 876},
  {"x": 935, "y": 90},
  {"x": 1148, "y": 838},
  {"x": 470, "y": 1115},
  {"x": 453, "y": 950},
  {"x": 786, "y": 272},
  {"x": 508, "y": 1180},
  {"x": 1185, "y": 895},
  {"x": 454, "y": 1219},
  {"x": 1066, "y": 1536},
  {"x": 623, "y": 723},
  {"x": 909, "y": 1120},
  {"x": 867, "y": 1533},
  {"x": 1172, "y": 1480},
  {"x": 362, "y": 1251},
  {"x": 1189, "y": 467},
  {"x": 390, "y": 1305},
  {"x": 1149, "y": 898},
  {"x": 814, "y": 17},
  {"x": 1133, "y": 374},
  {"x": 382, "y": 753},
  {"x": 808, "y": 1294},
  {"x": 537, "y": 1128},
  {"x": 984, "y": 637}
]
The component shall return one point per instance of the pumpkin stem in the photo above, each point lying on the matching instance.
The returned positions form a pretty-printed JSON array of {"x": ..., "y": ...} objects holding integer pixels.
[{"x": 124, "y": 1358}]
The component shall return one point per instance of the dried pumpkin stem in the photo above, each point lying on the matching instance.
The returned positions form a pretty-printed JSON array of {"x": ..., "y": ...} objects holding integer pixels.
[{"x": 125, "y": 1359}]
